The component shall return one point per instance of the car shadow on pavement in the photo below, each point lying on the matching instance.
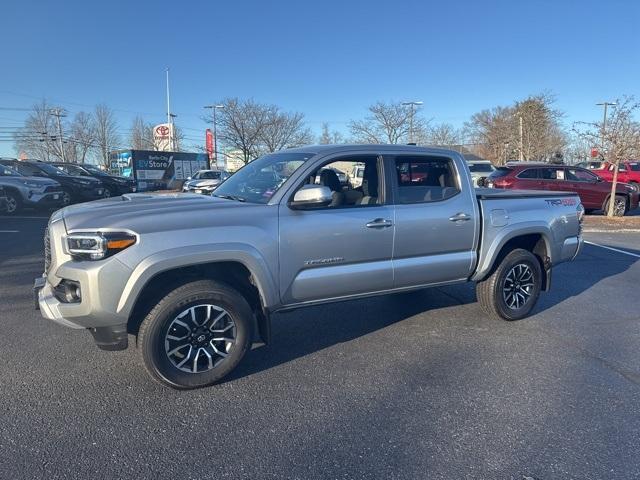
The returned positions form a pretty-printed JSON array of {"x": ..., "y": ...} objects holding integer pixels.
[{"x": 302, "y": 332}]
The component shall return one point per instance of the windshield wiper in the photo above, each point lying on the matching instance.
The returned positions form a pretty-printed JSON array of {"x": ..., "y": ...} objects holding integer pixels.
[{"x": 231, "y": 197}]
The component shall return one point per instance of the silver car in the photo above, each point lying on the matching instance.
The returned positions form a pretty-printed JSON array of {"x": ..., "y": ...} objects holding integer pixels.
[
  {"x": 480, "y": 169},
  {"x": 34, "y": 192},
  {"x": 205, "y": 181}
]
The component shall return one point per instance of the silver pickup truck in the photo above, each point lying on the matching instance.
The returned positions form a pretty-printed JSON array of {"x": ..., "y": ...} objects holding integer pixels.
[{"x": 197, "y": 278}]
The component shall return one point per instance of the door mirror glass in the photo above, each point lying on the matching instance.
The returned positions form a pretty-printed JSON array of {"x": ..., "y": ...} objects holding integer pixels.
[{"x": 311, "y": 196}]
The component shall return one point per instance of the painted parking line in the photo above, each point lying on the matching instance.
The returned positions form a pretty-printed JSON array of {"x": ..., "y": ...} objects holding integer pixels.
[
  {"x": 613, "y": 249},
  {"x": 9, "y": 231},
  {"x": 24, "y": 218}
]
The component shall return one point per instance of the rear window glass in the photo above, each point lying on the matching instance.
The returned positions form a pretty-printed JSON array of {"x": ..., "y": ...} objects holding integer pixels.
[
  {"x": 481, "y": 167},
  {"x": 528, "y": 173},
  {"x": 634, "y": 166},
  {"x": 500, "y": 172}
]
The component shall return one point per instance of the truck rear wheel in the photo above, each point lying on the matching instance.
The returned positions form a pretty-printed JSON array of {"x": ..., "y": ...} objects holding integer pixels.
[
  {"x": 195, "y": 335},
  {"x": 512, "y": 290}
]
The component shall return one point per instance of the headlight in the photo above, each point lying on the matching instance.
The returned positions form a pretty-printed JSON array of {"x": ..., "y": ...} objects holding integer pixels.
[
  {"x": 632, "y": 188},
  {"x": 96, "y": 246},
  {"x": 83, "y": 182},
  {"x": 34, "y": 186}
]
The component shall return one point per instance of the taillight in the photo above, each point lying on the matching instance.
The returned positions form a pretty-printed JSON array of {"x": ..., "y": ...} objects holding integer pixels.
[{"x": 503, "y": 183}]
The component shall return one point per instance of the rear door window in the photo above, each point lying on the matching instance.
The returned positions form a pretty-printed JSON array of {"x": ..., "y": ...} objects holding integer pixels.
[{"x": 425, "y": 179}]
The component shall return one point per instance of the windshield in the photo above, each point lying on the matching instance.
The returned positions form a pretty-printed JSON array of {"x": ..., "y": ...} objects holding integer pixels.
[
  {"x": 481, "y": 167},
  {"x": 500, "y": 172},
  {"x": 634, "y": 166},
  {"x": 8, "y": 172},
  {"x": 207, "y": 175},
  {"x": 93, "y": 169},
  {"x": 257, "y": 181},
  {"x": 51, "y": 170}
]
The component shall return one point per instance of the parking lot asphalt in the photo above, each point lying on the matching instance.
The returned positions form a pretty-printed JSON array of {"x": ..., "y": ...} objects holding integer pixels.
[{"x": 419, "y": 385}]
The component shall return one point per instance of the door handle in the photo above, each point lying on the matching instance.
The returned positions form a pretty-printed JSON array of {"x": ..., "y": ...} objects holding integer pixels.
[
  {"x": 379, "y": 223},
  {"x": 460, "y": 217}
]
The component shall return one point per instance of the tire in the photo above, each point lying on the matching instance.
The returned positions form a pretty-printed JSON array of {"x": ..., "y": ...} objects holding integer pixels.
[
  {"x": 14, "y": 203},
  {"x": 620, "y": 206},
  {"x": 162, "y": 332},
  {"x": 499, "y": 303},
  {"x": 67, "y": 198},
  {"x": 106, "y": 193}
]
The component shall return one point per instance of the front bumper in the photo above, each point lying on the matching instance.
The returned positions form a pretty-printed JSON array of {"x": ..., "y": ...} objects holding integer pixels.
[
  {"x": 87, "y": 194},
  {"x": 109, "y": 337},
  {"x": 44, "y": 200},
  {"x": 200, "y": 190}
]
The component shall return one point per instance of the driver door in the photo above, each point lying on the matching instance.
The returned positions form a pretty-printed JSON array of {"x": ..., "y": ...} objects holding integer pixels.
[{"x": 341, "y": 250}]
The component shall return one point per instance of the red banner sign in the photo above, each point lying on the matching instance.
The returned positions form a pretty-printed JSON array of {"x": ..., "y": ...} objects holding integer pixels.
[{"x": 209, "y": 138}]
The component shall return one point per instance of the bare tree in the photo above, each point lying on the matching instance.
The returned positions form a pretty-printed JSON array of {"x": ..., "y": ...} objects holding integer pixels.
[
  {"x": 329, "y": 137},
  {"x": 82, "y": 135},
  {"x": 141, "y": 135},
  {"x": 241, "y": 125},
  {"x": 388, "y": 123},
  {"x": 444, "y": 134},
  {"x": 619, "y": 141},
  {"x": 35, "y": 138},
  {"x": 496, "y": 132},
  {"x": 283, "y": 130},
  {"x": 106, "y": 132}
]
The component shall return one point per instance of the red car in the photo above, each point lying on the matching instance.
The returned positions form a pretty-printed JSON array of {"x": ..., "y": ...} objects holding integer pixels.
[
  {"x": 594, "y": 192},
  {"x": 628, "y": 172}
]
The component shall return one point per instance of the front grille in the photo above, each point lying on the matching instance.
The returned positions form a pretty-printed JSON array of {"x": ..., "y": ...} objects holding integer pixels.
[
  {"x": 47, "y": 251},
  {"x": 52, "y": 188}
]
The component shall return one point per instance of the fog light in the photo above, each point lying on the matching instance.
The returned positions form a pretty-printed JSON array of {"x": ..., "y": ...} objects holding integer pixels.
[{"x": 68, "y": 291}]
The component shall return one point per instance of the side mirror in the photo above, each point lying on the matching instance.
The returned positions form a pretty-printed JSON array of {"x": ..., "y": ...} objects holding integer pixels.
[
  {"x": 599, "y": 179},
  {"x": 311, "y": 196}
]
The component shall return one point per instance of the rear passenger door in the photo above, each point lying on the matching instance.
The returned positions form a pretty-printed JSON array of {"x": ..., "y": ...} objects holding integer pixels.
[
  {"x": 435, "y": 220},
  {"x": 529, "y": 179}
]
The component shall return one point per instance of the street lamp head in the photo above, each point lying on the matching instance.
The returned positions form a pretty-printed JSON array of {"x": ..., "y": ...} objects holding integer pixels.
[{"x": 416, "y": 103}]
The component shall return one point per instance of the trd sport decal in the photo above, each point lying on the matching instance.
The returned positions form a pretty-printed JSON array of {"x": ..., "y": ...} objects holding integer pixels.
[{"x": 556, "y": 202}]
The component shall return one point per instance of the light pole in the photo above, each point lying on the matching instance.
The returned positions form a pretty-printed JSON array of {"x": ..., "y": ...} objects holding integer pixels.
[
  {"x": 413, "y": 104},
  {"x": 215, "y": 131}
]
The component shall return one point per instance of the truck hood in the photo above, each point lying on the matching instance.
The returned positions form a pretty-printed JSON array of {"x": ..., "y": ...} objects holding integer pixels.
[
  {"x": 211, "y": 182},
  {"x": 147, "y": 212}
]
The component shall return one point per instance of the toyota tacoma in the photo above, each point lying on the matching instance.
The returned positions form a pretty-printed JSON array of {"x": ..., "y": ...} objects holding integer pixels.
[{"x": 197, "y": 278}]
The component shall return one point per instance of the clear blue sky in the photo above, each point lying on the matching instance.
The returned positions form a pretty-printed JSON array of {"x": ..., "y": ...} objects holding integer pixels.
[{"x": 328, "y": 59}]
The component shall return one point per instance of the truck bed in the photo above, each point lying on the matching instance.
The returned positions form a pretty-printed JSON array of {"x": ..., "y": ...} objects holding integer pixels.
[{"x": 496, "y": 193}]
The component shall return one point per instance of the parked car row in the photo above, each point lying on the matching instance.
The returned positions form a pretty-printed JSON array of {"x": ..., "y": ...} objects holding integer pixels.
[
  {"x": 205, "y": 181},
  {"x": 628, "y": 172},
  {"x": 44, "y": 185},
  {"x": 594, "y": 191}
]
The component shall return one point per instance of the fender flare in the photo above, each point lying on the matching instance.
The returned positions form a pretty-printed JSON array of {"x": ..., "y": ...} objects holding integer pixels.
[
  {"x": 195, "y": 255},
  {"x": 488, "y": 260}
]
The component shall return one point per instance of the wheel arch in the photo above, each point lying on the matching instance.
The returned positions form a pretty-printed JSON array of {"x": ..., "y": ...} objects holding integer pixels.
[
  {"x": 535, "y": 240},
  {"x": 156, "y": 277}
]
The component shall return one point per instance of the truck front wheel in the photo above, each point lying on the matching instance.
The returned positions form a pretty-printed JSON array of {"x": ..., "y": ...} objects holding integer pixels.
[
  {"x": 512, "y": 290},
  {"x": 195, "y": 335}
]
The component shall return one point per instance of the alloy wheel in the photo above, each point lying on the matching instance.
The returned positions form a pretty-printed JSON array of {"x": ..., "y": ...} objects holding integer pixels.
[
  {"x": 517, "y": 287},
  {"x": 200, "y": 338},
  {"x": 12, "y": 204}
]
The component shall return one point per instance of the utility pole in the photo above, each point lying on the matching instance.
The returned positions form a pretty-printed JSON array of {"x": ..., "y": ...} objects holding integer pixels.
[
  {"x": 215, "y": 107},
  {"x": 59, "y": 112},
  {"x": 615, "y": 164},
  {"x": 174, "y": 140},
  {"x": 169, "y": 114},
  {"x": 521, "y": 130},
  {"x": 412, "y": 104}
]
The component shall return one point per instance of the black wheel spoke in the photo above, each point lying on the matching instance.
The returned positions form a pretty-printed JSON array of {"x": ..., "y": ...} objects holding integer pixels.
[{"x": 518, "y": 285}]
